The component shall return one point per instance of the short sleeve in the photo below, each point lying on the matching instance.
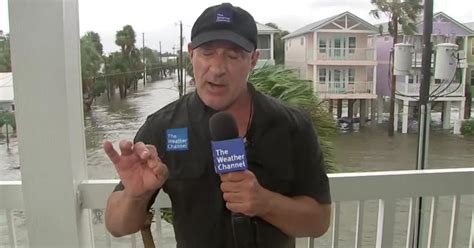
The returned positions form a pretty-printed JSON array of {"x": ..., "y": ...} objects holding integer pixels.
[{"x": 310, "y": 176}]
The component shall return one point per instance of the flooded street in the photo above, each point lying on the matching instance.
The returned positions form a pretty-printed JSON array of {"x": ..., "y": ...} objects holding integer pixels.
[{"x": 367, "y": 149}]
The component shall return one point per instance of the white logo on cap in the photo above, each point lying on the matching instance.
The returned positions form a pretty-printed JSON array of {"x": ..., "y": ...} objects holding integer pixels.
[{"x": 224, "y": 16}]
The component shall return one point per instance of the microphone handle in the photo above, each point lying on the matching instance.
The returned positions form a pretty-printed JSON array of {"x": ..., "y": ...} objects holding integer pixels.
[{"x": 243, "y": 231}]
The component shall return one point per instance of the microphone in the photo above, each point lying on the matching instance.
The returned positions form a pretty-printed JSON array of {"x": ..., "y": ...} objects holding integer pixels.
[
  {"x": 228, "y": 149},
  {"x": 229, "y": 155}
]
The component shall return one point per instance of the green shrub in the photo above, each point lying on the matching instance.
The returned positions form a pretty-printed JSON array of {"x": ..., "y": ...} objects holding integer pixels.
[{"x": 467, "y": 127}]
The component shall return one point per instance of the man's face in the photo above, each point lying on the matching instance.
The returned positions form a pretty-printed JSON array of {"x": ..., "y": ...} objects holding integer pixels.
[{"x": 221, "y": 70}]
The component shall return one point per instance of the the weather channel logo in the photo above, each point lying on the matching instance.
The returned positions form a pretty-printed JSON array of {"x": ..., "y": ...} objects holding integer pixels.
[
  {"x": 224, "y": 16},
  {"x": 229, "y": 155},
  {"x": 177, "y": 139}
]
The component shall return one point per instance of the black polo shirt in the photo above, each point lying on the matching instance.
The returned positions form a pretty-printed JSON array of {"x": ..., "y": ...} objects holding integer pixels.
[{"x": 282, "y": 151}]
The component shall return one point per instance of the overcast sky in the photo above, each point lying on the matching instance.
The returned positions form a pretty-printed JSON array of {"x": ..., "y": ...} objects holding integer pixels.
[{"x": 159, "y": 19}]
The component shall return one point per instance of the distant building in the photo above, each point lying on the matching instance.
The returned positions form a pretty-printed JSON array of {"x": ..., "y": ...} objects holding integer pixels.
[
  {"x": 445, "y": 30},
  {"x": 265, "y": 44},
  {"x": 337, "y": 55},
  {"x": 6, "y": 92}
]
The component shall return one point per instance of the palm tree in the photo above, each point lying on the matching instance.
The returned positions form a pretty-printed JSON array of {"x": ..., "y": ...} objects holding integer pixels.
[
  {"x": 404, "y": 13},
  {"x": 91, "y": 61},
  {"x": 131, "y": 59},
  {"x": 285, "y": 85}
]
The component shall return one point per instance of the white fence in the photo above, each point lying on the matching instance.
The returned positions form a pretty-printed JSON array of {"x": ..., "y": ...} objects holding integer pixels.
[{"x": 360, "y": 189}]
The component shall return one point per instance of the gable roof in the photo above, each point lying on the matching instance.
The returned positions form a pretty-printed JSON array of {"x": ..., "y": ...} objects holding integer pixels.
[
  {"x": 264, "y": 29},
  {"x": 442, "y": 14},
  {"x": 470, "y": 25},
  {"x": 318, "y": 24},
  {"x": 469, "y": 29}
]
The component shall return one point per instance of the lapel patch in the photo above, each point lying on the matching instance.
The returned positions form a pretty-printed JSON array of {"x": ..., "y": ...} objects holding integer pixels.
[{"x": 177, "y": 139}]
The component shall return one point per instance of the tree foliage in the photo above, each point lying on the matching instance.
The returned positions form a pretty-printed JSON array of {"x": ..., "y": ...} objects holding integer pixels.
[
  {"x": 5, "y": 62},
  {"x": 91, "y": 62},
  {"x": 285, "y": 85}
]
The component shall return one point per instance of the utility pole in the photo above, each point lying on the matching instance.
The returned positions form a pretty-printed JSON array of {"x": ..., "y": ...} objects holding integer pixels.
[
  {"x": 144, "y": 58},
  {"x": 160, "y": 63},
  {"x": 180, "y": 68},
  {"x": 425, "y": 108}
]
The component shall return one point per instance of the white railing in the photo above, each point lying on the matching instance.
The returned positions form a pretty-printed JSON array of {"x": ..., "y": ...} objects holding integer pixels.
[
  {"x": 346, "y": 54},
  {"x": 418, "y": 55},
  {"x": 444, "y": 89},
  {"x": 265, "y": 53},
  {"x": 379, "y": 219},
  {"x": 344, "y": 87}
]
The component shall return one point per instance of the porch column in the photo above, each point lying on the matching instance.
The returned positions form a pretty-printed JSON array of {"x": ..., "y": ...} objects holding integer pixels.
[
  {"x": 339, "y": 108},
  {"x": 379, "y": 109},
  {"x": 46, "y": 66},
  {"x": 405, "y": 116},
  {"x": 395, "y": 116},
  {"x": 447, "y": 115},
  {"x": 462, "y": 106},
  {"x": 363, "y": 112},
  {"x": 373, "y": 109},
  {"x": 330, "y": 107},
  {"x": 350, "y": 108}
]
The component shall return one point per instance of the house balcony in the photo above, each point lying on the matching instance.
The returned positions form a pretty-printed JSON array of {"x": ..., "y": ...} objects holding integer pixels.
[
  {"x": 344, "y": 90},
  {"x": 418, "y": 55},
  {"x": 344, "y": 56},
  {"x": 380, "y": 200},
  {"x": 440, "y": 89}
]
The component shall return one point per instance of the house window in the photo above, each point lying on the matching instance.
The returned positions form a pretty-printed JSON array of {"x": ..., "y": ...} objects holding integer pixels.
[
  {"x": 472, "y": 46},
  {"x": 351, "y": 75},
  {"x": 263, "y": 41},
  {"x": 352, "y": 44},
  {"x": 302, "y": 41},
  {"x": 322, "y": 75},
  {"x": 322, "y": 46}
]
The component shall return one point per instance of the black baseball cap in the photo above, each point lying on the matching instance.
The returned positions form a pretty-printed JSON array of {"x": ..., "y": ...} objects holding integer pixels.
[{"x": 225, "y": 22}]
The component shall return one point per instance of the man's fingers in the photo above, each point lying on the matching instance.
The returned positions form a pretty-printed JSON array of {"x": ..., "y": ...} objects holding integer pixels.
[
  {"x": 126, "y": 147},
  {"x": 153, "y": 152},
  {"x": 235, "y": 176},
  {"x": 141, "y": 151},
  {"x": 111, "y": 152}
]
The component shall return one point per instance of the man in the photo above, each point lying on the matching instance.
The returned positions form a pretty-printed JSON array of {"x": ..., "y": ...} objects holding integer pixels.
[{"x": 284, "y": 193}]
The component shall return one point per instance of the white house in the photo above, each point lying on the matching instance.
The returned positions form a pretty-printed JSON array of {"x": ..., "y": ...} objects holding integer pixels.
[{"x": 6, "y": 92}]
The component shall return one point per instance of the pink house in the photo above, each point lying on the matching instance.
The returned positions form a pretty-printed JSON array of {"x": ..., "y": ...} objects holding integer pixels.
[{"x": 337, "y": 56}]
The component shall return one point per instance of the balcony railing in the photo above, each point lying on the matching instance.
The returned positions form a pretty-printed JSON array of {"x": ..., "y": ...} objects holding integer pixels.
[
  {"x": 444, "y": 89},
  {"x": 418, "y": 55},
  {"x": 442, "y": 190},
  {"x": 364, "y": 54},
  {"x": 344, "y": 88},
  {"x": 265, "y": 53}
]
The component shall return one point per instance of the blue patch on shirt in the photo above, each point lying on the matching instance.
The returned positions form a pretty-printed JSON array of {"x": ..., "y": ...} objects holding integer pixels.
[
  {"x": 177, "y": 139},
  {"x": 224, "y": 15}
]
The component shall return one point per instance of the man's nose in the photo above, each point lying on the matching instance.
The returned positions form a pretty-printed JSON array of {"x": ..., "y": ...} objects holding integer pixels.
[{"x": 218, "y": 66}]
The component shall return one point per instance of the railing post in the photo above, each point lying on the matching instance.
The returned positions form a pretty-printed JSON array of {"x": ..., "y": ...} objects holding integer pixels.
[{"x": 46, "y": 65}]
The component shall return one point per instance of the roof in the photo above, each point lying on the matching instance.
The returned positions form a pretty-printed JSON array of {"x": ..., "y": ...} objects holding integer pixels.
[
  {"x": 264, "y": 29},
  {"x": 438, "y": 14},
  {"x": 468, "y": 27},
  {"x": 316, "y": 25},
  {"x": 6, "y": 87}
]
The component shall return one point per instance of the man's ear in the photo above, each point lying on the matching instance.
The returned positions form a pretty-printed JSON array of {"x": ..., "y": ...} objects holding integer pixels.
[
  {"x": 190, "y": 51},
  {"x": 254, "y": 57}
]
